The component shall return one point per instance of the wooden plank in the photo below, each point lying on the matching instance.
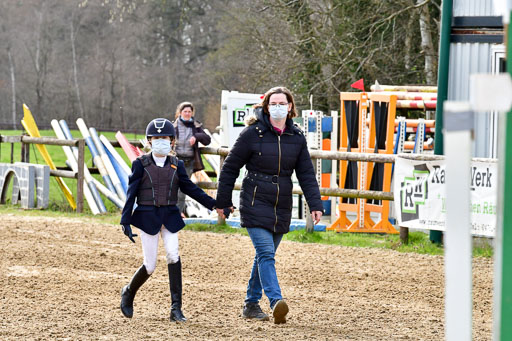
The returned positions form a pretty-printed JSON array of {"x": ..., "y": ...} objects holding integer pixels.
[
  {"x": 220, "y": 220},
  {"x": 80, "y": 177},
  {"x": 25, "y": 152},
  {"x": 331, "y": 192},
  {"x": 404, "y": 234},
  {"x": 63, "y": 174},
  {"x": 11, "y": 139},
  {"x": 49, "y": 141}
]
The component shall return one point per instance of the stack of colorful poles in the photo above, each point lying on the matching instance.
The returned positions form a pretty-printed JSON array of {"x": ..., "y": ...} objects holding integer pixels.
[
  {"x": 410, "y": 96},
  {"x": 113, "y": 169}
]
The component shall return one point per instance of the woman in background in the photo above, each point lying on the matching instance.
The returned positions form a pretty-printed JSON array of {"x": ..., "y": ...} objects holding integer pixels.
[{"x": 189, "y": 133}]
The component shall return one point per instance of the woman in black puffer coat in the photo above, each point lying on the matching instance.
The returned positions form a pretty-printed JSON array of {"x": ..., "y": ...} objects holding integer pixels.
[{"x": 271, "y": 147}]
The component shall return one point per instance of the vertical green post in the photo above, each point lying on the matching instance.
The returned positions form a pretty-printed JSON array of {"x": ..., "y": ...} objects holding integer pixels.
[
  {"x": 505, "y": 311},
  {"x": 442, "y": 87}
]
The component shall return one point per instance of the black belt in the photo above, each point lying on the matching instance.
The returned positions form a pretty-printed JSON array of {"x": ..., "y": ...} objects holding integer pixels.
[{"x": 275, "y": 179}]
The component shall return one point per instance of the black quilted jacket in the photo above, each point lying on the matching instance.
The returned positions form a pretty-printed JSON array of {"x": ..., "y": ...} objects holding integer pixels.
[{"x": 270, "y": 159}]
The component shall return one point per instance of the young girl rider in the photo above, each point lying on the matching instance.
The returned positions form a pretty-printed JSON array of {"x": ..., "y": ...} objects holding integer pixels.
[{"x": 154, "y": 184}]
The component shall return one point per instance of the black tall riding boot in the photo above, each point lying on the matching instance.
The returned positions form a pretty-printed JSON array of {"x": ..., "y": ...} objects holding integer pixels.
[
  {"x": 176, "y": 291},
  {"x": 129, "y": 291}
]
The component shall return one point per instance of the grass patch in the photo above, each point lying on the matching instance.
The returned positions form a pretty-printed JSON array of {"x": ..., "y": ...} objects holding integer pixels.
[
  {"x": 419, "y": 242},
  {"x": 215, "y": 228}
]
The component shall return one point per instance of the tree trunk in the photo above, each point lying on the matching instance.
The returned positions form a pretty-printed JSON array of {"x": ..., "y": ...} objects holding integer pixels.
[
  {"x": 409, "y": 36},
  {"x": 13, "y": 87},
  {"x": 299, "y": 16},
  {"x": 427, "y": 45},
  {"x": 75, "y": 72},
  {"x": 112, "y": 89},
  {"x": 39, "y": 90}
]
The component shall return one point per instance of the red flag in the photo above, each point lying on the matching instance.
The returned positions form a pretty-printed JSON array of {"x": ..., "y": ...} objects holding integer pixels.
[{"x": 358, "y": 84}]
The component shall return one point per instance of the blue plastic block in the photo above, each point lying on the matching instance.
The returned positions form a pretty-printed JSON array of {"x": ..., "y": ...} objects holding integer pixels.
[
  {"x": 326, "y": 166},
  {"x": 327, "y": 124},
  {"x": 327, "y": 206},
  {"x": 311, "y": 124},
  {"x": 296, "y": 224}
]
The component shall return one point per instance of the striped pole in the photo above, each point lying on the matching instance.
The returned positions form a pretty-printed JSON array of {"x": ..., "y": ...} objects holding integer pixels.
[
  {"x": 413, "y": 96},
  {"x": 108, "y": 165},
  {"x": 410, "y": 104},
  {"x": 406, "y": 88},
  {"x": 74, "y": 166},
  {"x": 108, "y": 193},
  {"x": 88, "y": 177},
  {"x": 115, "y": 154},
  {"x": 95, "y": 155}
]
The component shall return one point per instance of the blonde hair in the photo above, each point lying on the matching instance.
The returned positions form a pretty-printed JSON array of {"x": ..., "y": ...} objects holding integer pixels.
[
  {"x": 278, "y": 90},
  {"x": 182, "y": 106}
]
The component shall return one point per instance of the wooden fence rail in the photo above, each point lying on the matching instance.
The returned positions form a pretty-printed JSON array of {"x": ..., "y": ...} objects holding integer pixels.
[
  {"x": 25, "y": 157},
  {"x": 223, "y": 152}
]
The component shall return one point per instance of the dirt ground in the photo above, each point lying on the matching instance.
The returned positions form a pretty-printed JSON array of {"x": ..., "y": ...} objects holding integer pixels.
[{"x": 60, "y": 279}]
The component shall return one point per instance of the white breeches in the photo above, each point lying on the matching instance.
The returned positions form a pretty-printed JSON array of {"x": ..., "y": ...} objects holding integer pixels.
[{"x": 150, "y": 248}]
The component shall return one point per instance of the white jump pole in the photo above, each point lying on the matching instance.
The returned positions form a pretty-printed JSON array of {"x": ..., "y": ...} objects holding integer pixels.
[{"x": 458, "y": 126}]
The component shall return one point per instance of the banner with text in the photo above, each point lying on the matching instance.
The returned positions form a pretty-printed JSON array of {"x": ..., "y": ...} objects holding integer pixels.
[{"x": 420, "y": 196}]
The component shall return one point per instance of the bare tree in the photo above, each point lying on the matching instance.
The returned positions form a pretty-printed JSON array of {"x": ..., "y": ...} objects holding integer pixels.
[
  {"x": 427, "y": 43},
  {"x": 121, "y": 63},
  {"x": 75, "y": 69},
  {"x": 13, "y": 87}
]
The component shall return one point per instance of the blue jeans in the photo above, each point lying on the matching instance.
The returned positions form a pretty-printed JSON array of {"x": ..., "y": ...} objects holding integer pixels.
[{"x": 263, "y": 274}]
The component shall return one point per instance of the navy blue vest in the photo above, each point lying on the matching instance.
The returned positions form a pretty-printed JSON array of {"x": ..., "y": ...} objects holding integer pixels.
[{"x": 159, "y": 185}]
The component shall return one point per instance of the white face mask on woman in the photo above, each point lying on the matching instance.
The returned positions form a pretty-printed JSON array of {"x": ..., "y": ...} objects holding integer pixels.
[
  {"x": 278, "y": 111},
  {"x": 161, "y": 146}
]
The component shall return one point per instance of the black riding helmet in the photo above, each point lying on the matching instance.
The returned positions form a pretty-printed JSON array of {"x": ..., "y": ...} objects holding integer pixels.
[{"x": 160, "y": 127}]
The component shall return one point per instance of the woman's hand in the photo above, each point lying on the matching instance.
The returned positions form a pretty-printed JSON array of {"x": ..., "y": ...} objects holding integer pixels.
[
  {"x": 192, "y": 140},
  {"x": 220, "y": 211},
  {"x": 316, "y": 215}
]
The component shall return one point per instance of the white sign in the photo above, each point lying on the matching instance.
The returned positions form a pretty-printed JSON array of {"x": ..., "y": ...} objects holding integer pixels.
[
  {"x": 235, "y": 107},
  {"x": 490, "y": 92},
  {"x": 420, "y": 195}
]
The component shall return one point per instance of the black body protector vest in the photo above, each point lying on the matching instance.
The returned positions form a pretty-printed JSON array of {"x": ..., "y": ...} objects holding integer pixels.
[{"x": 159, "y": 185}]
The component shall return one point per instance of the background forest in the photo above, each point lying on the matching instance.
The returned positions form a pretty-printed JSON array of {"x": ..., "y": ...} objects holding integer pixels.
[{"x": 120, "y": 63}]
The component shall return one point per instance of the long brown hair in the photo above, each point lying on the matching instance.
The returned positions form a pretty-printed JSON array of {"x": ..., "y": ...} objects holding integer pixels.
[
  {"x": 278, "y": 90},
  {"x": 182, "y": 106}
]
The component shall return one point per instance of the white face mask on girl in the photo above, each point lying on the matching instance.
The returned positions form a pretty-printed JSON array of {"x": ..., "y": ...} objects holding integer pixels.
[
  {"x": 161, "y": 146},
  {"x": 278, "y": 112}
]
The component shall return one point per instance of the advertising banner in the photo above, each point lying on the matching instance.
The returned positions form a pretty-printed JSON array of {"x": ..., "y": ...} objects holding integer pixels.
[{"x": 420, "y": 195}]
